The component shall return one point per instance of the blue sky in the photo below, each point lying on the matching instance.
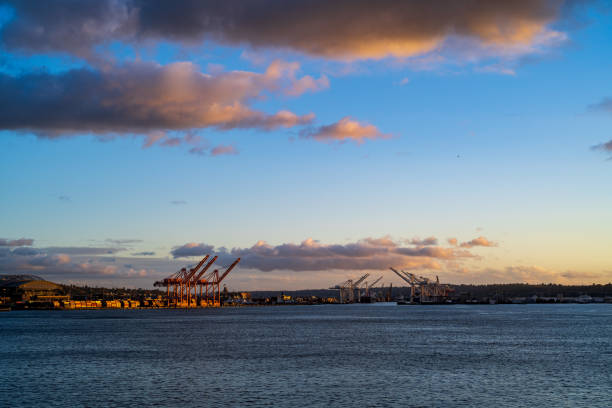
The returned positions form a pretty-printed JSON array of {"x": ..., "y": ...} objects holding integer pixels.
[{"x": 466, "y": 144}]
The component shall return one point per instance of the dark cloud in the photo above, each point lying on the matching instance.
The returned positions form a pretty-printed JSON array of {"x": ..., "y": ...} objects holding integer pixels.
[
  {"x": 340, "y": 29},
  {"x": 62, "y": 266},
  {"x": 581, "y": 276},
  {"x": 605, "y": 105},
  {"x": 310, "y": 255},
  {"x": 192, "y": 249},
  {"x": 16, "y": 242},
  {"x": 24, "y": 251},
  {"x": 144, "y": 253},
  {"x": 81, "y": 250},
  {"x": 142, "y": 98},
  {"x": 123, "y": 241},
  {"x": 604, "y": 147}
]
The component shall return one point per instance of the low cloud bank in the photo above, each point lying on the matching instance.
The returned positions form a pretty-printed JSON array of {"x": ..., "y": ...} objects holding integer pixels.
[{"x": 311, "y": 255}]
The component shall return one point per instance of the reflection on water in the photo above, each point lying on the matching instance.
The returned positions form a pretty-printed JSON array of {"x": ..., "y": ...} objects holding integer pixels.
[{"x": 440, "y": 356}]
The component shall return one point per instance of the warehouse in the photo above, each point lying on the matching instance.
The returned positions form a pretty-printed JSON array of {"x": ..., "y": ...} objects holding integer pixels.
[{"x": 16, "y": 288}]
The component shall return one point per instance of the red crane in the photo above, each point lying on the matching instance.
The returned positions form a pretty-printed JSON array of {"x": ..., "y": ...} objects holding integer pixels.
[
  {"x": 183, "y": 285},
  {"x": 212, "y": 283},
  {"x": 196, "y": 280},
  {"x": 187, "y": 280}
]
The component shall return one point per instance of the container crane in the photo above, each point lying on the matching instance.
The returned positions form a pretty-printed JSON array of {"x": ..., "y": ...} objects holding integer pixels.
[
  {"x": 182, "y": 287},
  {"x": 212, "y": 282},
  {"x": 187, "y": 279},
  {"x": 196, "y": 279},
  {"x": 371, "y": 285},
  {"x": 424, "y": 289},
  {"x": 348, "y": 287}
]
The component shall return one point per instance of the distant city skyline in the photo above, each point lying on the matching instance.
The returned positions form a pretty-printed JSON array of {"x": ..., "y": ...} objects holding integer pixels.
[{"x": 316, "y": 140}]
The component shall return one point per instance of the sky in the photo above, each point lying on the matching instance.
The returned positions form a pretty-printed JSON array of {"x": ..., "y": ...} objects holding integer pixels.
[{"x": 315, "y": 140}]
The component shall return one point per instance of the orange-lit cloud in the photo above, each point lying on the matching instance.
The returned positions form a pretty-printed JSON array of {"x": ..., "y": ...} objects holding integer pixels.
[
  {"x": 340, "y": 29},
  {"x": 223, "y": 150},
  {"x": 311, "y": 255},
  {"x": 534, "y": 274},
  {"x": 480, "y": 241},
  {"x": 346, "y": 129},
  {"x": 145, "y": 98}
]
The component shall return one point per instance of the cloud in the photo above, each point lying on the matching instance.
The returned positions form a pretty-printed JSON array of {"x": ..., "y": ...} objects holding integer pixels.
[
  {"x": 535, "y": 274},
  {"x": 62, "y": 266},
  {"x": 604, "y": 147},
  {"x": 81, "y": 250},
  {"x": 307, "y": 84},
  {"x": 143, "y": 98},
  {"x": 480, "y": 241},
  {"x": 426, "y": 241},
  {"x": 311, "y": 255},
  {"x": 191, "y": 249},
  {"x": 16, "y": 242},
  {"x": 144, "y": 253},
  {"x": 52, "y": 264},
  {"x": 528, "y": 274},
  {"x": 340, "y": 30},
  {"x": 575, "y": 276},
  {"x": 123, "y": 241},
  {"x": 24, "y": 251},
  {"x": 171, "y": 142},
  {"x": 223, "y": 150},
  {"x": 605, "y": 105},
  {"x": 64, "y": 198},
  {"x": 404, "y": 81},
  {"x": 344, "y": 130}
]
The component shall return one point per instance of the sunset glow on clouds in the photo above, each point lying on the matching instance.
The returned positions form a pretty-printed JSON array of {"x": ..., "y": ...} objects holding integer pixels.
[
  {"x": 143, "y": 97},
  {"x": 346, "y": 129},
  {"x": 338, "y": 30},
  {"x": 471, "y": 140}
]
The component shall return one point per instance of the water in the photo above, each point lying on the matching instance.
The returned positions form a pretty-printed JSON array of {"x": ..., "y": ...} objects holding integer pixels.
[{"x": 332, "y": 356}]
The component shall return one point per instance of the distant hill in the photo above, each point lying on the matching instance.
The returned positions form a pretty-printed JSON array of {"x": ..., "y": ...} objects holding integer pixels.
[{"x": 9, "y": 279}]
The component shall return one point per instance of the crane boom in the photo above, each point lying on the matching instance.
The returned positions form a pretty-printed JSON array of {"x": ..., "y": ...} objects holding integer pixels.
[
  {"x": 228, "y": 270},
  {"x": 203, "y": 271},
  {"x": 193, "y": 271},
  {"x": 364, "y": 277},
  {"x": 375, "y": 282},
  {"x": 401, "y": 276}
]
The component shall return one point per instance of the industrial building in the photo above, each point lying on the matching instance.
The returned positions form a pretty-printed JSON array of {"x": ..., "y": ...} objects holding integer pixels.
[{"x": 29, "y": 288}]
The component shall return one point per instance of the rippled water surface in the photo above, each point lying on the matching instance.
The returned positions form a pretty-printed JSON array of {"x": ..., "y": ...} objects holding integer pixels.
[{"x": 353, "y": 355}]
